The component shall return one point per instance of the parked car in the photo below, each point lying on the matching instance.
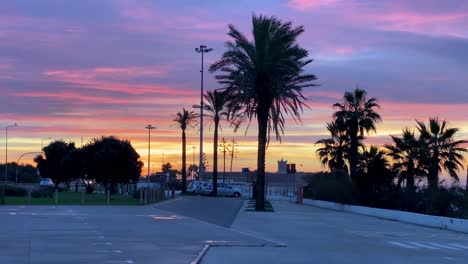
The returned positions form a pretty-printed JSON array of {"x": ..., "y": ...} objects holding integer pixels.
[
  {"x": 193, "y": 186},
  {"x": 46, "y": 182},
  {"x": 224, "y": 189}
]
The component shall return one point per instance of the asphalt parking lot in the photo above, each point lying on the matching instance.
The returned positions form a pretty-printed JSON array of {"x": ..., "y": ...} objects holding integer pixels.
[{"x": 115, "y": 234}]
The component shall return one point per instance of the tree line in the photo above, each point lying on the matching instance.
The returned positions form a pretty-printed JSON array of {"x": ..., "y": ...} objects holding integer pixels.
[
  {"x": 106, "y": 160},
  {"x": 409, "y": 166}
]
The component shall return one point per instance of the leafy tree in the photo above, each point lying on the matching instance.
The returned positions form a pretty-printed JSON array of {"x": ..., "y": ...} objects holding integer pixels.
[
  {"x": 443, "y": 151},
  {"x": 358, "y": 115},
  {"x": 53, "y": 166},
  {"x": 406, "y": 152},
  {"x": 334, "y": 150},
  {"x": 110, "y": 160},
  {"x": 216, "y": 108},
  {"x": 182, "y": 120},
  {"x": 166, "y": 167},
  {"x": 263, "y": 79}
]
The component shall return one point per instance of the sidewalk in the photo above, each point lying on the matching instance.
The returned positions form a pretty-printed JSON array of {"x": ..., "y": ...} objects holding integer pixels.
[{"x": 315, "y": 235}]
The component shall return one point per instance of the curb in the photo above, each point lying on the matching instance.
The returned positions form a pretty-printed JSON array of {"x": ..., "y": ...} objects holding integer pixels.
[{"x": 440, "y": 222}]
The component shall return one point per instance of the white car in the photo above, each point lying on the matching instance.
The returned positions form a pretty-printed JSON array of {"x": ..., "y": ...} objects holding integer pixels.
[
  {"x": 224, "y": 189},
  {"x": 46, "y": 182},
  {"x": 193, "y": 186}
]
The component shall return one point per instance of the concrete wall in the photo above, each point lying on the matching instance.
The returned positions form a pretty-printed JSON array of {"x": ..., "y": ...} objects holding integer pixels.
[{"x": 454, "y": 224}]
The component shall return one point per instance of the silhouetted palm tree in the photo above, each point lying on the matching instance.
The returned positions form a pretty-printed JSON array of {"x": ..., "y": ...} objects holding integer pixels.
[
  {"x": 334, "y": 150},
  {"x": 443, "y": 151},
  {"x": 359, "y": 116},
  {"x": 374, "y": 174},
  {"x": 264, "y": 78},
  {"x": 215, "y": 108},
  {"x": 182, "y": 120},
  {"x": 406, "y": 152}
]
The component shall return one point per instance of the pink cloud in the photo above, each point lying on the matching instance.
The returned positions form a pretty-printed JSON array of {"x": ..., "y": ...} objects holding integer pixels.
[
  {"x": 302, "y": 5},
  {"x": 118, "y": 80}
]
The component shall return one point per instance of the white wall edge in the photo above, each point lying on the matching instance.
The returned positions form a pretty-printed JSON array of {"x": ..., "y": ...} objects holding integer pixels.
[{"x": 454, "y": 224}]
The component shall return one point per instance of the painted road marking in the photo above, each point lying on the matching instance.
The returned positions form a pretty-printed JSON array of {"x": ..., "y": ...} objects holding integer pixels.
[
  {"x": 421, "y": 245},
  {"x": 443, "y": 246},
  {"x": 109, "y": 251},
  {"x": 428, "y": 245},
  {"x": 403, "y": 245},
  {"x": 458, "y": 245},
  {"x": 119, "y": 261},
  {"x": 103, "y": 244}
]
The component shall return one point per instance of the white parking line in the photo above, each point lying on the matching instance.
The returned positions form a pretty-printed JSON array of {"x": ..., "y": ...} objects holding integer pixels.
[
  {"x": 103, "y": 244},
  {"x": 443, "y": 246},
  {"x": 458, "y": 245},
  {"x": 119, "y": 261},
  {"x": 422, "y": 245},
  {"x": 403, "y": 245},
  {"x": 109, "y": 251}
]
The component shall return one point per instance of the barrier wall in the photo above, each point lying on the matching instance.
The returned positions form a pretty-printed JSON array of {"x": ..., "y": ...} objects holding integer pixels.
[{"x": 455, "y": 224}]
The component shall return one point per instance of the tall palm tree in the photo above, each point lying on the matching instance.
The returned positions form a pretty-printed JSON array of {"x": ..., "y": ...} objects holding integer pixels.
[
  {"x": 443, "y": 151},
  {"x": 334, "y": 149},
  {"x": 182, "y": 120},
  {"x": 406, "y": 152},
  {"x": 264, "y": 78},
  {"x": 359, "y": 116},
  {"x": 215, "y": 108}
]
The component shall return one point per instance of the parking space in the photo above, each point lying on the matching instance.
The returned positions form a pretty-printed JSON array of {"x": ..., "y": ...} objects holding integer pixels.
[{"x": 109, "y": 234}]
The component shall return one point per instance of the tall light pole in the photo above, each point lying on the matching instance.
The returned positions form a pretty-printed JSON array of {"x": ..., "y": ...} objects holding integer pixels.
[
  {"x": 149, "y": 127},
  {"x": 202, "y": 49},
  {"x": 6, "y": 150},
  {"x": 42, "y": 141}
]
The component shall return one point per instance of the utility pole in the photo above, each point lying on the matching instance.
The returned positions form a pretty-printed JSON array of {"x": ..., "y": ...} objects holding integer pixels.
[
  {"x": 149, "y": 127},
  {"x": 202, "y": 49},
  {"x": 232, "y": 152},
  {"x": 6, "y": 151},
  {"x": 223, "y": 149}
]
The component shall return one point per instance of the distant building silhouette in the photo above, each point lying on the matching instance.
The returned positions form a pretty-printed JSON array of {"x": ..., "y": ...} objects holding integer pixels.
[{"x": 282, "y": 166}]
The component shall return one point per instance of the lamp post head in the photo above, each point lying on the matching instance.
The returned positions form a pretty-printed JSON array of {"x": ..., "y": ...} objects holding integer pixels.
[
  {"x": 203, "y": 48},
  {"x": 150, "y": 127}
]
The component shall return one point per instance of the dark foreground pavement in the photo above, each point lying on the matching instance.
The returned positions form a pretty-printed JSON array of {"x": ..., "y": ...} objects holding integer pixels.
[
  {"x": 215, "y": 210},
  {"x": 116, "y": 234}
]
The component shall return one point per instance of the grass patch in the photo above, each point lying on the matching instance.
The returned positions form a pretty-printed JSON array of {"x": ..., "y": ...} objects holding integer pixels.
[
  {"x": 251, "y": 206},
  {"x": 74, "y": 198}
]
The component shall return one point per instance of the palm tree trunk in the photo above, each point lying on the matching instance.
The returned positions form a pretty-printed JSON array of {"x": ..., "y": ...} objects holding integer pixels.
[
  {"x": 262, "y": 119},
  {"x": 353, "y": 156},
  {"x": 215, "y": 156},
  {"x": 184, "y": 159}
]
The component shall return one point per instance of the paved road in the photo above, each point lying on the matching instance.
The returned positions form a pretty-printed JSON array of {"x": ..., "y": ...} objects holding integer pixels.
[
  {"x": 315, "y": 235},
  {"x": 113, "y": 234},
  {"x": 215, "y": 210}
]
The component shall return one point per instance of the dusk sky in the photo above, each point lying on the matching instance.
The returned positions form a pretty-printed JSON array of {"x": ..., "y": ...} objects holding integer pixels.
[{"x": 72, "y": 69}]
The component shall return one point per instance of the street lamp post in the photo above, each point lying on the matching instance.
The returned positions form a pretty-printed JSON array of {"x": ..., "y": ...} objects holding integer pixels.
[
  {"x": 6, "y": 150},
  {"x": 149, "y": 127},
  {"x": 202, "y": 49},
  {"x": 17, "y": 163},
  {"x": 42, "y": 141}
]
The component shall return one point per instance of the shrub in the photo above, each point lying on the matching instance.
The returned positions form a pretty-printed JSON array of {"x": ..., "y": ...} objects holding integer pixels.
[
  {"x": 36, "y": 193},
  {"x": 334, "y": 187},
  {"x": 15, "y": 191},
  {"x": 136, "y": 194}
]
